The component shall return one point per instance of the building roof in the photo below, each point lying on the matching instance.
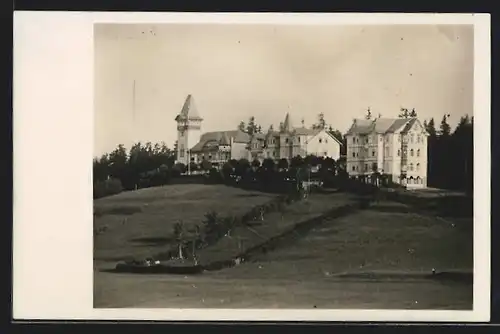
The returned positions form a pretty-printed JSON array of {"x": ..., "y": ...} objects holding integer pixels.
[
  {"x": 302, "y": 131},
  {"x": 287, "y": 124},
  {"x": 224, "y": 140},
  {"x": 272, "y": 133},
  {"x": 360, "y": 126},
  {"x": 189, "y": 110},
  {"x": 380, "y": 125},
  {"x": 221, "y": 137},
  {"x": 259, "y": 135}
]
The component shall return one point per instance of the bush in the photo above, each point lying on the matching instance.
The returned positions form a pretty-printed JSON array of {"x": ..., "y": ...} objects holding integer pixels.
[
  {"x": 178, "y": 169},
  {"x": 211, "y": 224},
  {"x": 215, "y": 176},
  {"x": 107, "y": 188}
]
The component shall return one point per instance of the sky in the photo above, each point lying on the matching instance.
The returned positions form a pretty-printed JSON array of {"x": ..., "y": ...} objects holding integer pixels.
[{"x": 237, "y": 71}]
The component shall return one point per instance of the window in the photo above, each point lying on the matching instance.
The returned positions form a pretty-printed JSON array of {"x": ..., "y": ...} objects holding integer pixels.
[
  {"x": 326, "y": 140},
  {"x": 373, "y": 153},
  {"x": 353, "y": 154},
  {"x": 182, "y": 151},
  {"x": 411, "y": 167},
  {"x": 320, "y": 140},
  {"x": 354, "y": 142},
  {"x": 286, "y": 140},
  {"x": 357, "y": 154},
  {"x": 419, "y": 139},
  {"x": 399, "y": 153},
  {"x": 298, "y": 139},
  {"x": 381, "y": 139},
  {"x": 325, "y": 153},
  {"x": 411, "y": 152},
  {"x": 418, "y": 152},
  {"x": 366, "y": 167},
  {"x": 353, "y": 168},
  {"x": 357, "y": 140},
  {"x": 411, "y": 138},
  {"x": 357, "y": 168},
  {"x": 418, "y": 167}
]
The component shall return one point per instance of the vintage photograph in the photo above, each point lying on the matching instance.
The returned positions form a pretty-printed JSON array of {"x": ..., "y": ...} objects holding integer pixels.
[{"x": 261, "y": 166}]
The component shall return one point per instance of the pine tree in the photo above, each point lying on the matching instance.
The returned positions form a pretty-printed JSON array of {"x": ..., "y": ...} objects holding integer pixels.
[
  {"x": 321, "y": 121},
  {"x": 445, "y": 128},
  {"x": 431, "y": 128},
  {"x": 368, "y": 114},
  {"x": 242, "y": 126},
  {"x": 413, "y": 113},
  {"x": 251, "y": 127},
  {"x": 404, "y": 113}
]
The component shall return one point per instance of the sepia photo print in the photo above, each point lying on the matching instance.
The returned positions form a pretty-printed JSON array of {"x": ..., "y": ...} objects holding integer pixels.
[{"x": 283, "y": 166}]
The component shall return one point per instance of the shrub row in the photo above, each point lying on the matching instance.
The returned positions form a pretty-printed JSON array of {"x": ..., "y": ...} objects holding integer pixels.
[{"x": 215, "y": 227}]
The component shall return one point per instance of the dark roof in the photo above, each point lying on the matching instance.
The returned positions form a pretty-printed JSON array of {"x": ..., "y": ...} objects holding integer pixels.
[
  {"x": 189, "y": 110},
  {"x": 306, "y": 132},
  {"x": 218, "y": 136},
  {"x": 360, "y": 126},
  {"x": 397, "y": 124},
  {"x": 380, "y": 125},
  {"x": 409, "y": 125},
  {"x": 224, "y": 140}
]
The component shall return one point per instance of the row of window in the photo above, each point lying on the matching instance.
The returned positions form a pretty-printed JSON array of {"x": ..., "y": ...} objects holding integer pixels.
[
  {"x": 412, "y": 138},
  {"x": 373, "y": 167},
  {"x": 356, "y": 154},
  {"x": 416, "y": 180},
  {"x": 412, "y": 153},
  {"x": 370, "y": 139},
  {"x": 367, "y": 168},
  {"x": 411, "y": 167},
  {"x": 321, "y": 140}
]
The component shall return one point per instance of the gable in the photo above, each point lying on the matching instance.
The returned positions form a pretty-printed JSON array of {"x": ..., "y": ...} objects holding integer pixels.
[
  {"x": 419, "y": 127},
  {"x": 325, "y": 134}
]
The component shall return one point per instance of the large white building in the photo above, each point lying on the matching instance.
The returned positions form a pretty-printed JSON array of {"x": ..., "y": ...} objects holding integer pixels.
[
  {"x": 220, "y": 146},
  {"x": 396, "y": 148}
]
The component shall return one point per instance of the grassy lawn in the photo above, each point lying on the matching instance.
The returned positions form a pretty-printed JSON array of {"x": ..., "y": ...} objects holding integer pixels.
[
  {"x": 388, "y": 237},
  {"x": 275, "y": 223},
  {"x": 140, "y": 223},
  {"x": 213, "y": 291}
]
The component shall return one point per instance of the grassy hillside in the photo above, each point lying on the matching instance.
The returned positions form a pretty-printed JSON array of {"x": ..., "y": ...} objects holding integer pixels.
[
  {"x": 140, "y": 223},
  {"x": 324, "y": 268},
  {"x": 387, "y": 237},
  {"x": 245, "y": 237}
]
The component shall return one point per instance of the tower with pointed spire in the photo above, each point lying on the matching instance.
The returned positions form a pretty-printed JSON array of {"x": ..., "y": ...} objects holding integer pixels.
[
  {"x": 188, "y": 130},
  {"x": 286, "y": 137}
]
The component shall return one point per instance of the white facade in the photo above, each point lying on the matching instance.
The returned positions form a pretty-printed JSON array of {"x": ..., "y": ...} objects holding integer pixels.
[
  {"x": 323, "y": 144},
  {"x": 396, "y": 148}
]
